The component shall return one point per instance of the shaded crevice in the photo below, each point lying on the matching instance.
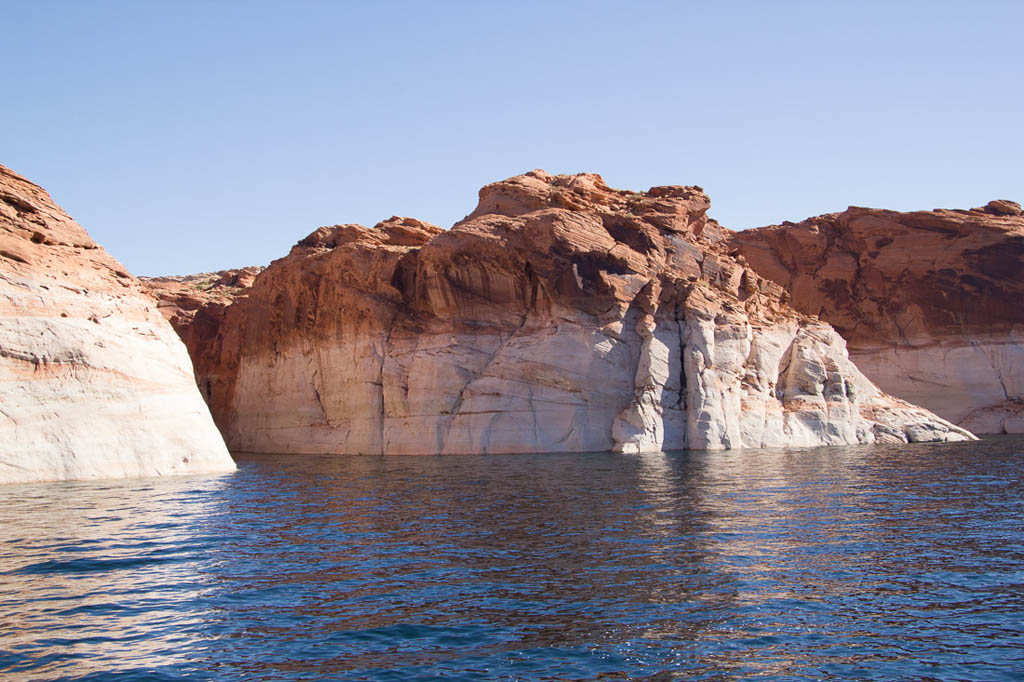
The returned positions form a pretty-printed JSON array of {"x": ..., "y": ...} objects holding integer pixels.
[
  {"x": 679, "y": 317},
  {"x": 782, "y": 373},
  {"x": 380, "y": 384},
  {"x": 12, "y": 256},
  {"x": 316, "y": 394},
  {"x": 18, "y": 204},
  {"x": 995, "y": 370},
  {"x": 533, "y": 415}
]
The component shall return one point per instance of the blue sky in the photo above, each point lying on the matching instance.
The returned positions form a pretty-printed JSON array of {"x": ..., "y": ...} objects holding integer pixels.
[{"x": 189, "y": 136}]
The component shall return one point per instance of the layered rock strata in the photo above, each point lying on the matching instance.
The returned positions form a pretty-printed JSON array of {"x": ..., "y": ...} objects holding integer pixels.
[
  {"x": 93, "y": 381},
  {"x": 561, "y": 315},
  {"x": 929, "y": 302}
]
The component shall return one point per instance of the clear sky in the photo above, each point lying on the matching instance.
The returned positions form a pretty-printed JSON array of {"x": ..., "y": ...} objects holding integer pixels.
[{"x": 189, "y": 136}]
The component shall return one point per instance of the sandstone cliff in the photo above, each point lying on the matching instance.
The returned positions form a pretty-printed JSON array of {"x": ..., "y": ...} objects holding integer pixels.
[
  {"x": 93, "y": 381},
  {"x": 929, "y": 302},
  {"x": 561, "y": 315}
]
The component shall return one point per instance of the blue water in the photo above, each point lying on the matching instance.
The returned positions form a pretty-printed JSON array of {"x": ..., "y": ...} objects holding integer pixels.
[{"x": 847, "y": 563}]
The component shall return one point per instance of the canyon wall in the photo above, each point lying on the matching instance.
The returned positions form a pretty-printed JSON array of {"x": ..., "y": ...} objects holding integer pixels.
[
  {"x": 561, "y": 315},
  {"x": 929, "y": 302},
  {"x": 94, "y": 383}
]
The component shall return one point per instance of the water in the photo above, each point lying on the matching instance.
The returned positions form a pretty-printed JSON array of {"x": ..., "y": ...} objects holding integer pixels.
[{"x": 847, "y": 563}]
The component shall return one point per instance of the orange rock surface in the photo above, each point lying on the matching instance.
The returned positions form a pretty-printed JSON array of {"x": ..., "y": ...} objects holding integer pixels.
[
  {"x": 929, "y": 301},
  {"x": 560, "y": 315}
]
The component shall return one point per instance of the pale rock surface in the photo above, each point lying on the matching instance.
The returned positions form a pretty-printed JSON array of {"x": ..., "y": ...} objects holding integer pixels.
[
  {"x": 929, "y": 301},
  {"x": 560, "y": 316},
  {"x": 93, "y": 381}
]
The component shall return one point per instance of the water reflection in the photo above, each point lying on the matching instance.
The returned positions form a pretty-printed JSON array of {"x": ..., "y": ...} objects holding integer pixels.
[
  {"x": 88, "y": 574},
  {"x": 854, "y": 562}
]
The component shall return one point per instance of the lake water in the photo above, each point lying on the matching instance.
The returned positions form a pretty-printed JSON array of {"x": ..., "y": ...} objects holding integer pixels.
[{"x": 845, "y": 563}]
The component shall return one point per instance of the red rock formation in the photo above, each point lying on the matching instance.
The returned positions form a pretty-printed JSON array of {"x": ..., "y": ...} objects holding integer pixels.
[
  {"x": 93, "y": 381},
  {"x": 561, "y": 315},
  {"x": 929, "y": 302}
]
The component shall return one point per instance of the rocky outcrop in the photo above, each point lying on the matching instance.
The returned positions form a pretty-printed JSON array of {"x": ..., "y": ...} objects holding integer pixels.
[
  {"x": 561, "y": 315},
  {"x": 929, "y": 302},
  {"x": 180, "y": 297},
  {"x": 196, "y": 306},
  {"x": 93, "y": 381}
]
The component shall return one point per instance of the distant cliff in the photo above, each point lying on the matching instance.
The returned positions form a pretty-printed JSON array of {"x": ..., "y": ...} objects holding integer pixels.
[
  {"x": 93, "y": 381},
  {"x": 561, "y": 315},
  {"x": 929, "y": 302}
]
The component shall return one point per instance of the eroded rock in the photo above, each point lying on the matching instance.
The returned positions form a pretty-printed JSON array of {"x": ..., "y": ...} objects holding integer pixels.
[
  {"x": 93, "y": 381},
  {"x": 928, "y": 301},
  {"x": 560, "y": 315}
]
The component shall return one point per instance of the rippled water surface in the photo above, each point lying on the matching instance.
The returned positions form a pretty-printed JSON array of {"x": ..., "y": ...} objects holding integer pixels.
[{"x": 847, "y": 563}]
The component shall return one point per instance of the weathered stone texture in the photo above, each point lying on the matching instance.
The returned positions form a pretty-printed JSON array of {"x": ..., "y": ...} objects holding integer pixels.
[
  {"x": 929, "y": 302},
  {"x": 560, "y": 315},
  {"x": 93, "y": 381}
]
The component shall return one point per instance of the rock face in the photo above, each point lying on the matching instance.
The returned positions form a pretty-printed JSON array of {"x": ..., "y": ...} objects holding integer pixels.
[
  {"x": 197, "y": 306},
  {"x": 929, "y": 302},
  {"x": 561, "y": 315},
  {"x": 93, "y": 381}
]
